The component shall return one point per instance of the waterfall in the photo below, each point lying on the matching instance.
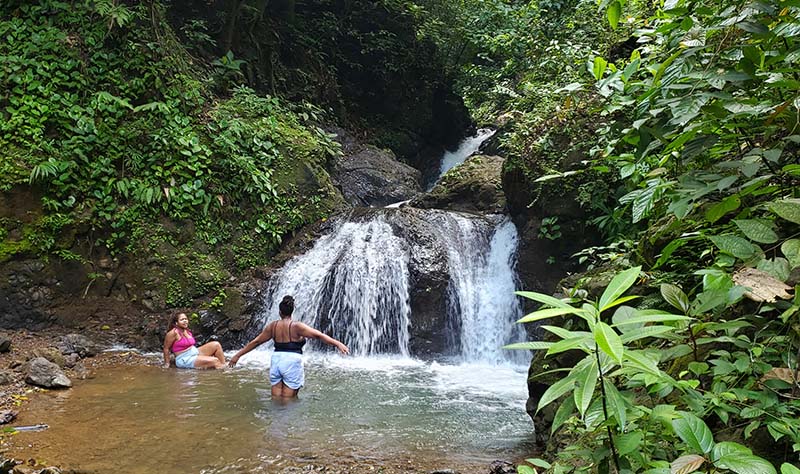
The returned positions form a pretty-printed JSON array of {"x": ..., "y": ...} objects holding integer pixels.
[
  {"x": 482, "y": 293},
  {"x": 467, "y": 147},
  {"x": 356, "y": 281}
]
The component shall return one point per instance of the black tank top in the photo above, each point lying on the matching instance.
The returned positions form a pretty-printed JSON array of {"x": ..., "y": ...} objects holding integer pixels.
[{"x": 290, "y": 346}]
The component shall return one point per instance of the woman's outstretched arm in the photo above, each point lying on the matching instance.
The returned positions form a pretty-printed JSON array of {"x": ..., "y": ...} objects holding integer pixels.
[
  {"x": 307, "y": 331},
  {"x": 265, "y": 336}
]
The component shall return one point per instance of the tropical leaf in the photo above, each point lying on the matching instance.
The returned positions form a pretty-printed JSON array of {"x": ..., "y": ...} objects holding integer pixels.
[
  {"x": 585, "y": 384},
  {"x": 694, "y": 432},
  {"x": 718, "y": 210},
  {"x": 619, "y": 285},
  {"x": 757, "y": 230},
  {"x": 530, "y": 345},
  {"x": 608, "y": 341},
  {"x": 675, "y": 296},
  {"x": 788, "y": 209},
  {"x": 617, "y": 404},
  {"x": 791, "y": 250},
  {"x": 543, "y": 298},
  {"x": 547, "y": 313},
  {"x": 787, "y": 468},
  {"x": 645, "y": 332},
  {"x": 733, "y": 245},
  {"x": 742, "y": 463},
  {"x": 557, "y": 390}
]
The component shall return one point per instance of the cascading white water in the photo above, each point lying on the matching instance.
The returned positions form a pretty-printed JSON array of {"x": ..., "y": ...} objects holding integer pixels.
[
  {"x": 467, "y": 147},
  {"x": 357, "y": 279},
  {"x": 356, "y": 282},
  {"x": 482, "y": 293}
]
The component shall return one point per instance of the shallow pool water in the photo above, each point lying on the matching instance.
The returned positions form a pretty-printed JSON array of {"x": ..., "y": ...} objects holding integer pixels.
[{"x": 398, "y": 415}]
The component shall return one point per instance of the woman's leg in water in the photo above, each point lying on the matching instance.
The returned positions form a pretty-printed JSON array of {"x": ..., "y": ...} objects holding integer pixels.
[
  {"x": 212, "y": 349},
  {"x": 280, "y": 390}
]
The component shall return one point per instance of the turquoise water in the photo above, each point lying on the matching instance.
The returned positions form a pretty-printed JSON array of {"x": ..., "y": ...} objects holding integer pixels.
[{"x": 393, "y": 415}]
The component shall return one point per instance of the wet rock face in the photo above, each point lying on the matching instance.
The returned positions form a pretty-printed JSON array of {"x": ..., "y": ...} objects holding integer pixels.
[
  {"x": 368, "y": 176},
  {"x": 24, "y": 296},
  {"x": 474, "y": 186}
]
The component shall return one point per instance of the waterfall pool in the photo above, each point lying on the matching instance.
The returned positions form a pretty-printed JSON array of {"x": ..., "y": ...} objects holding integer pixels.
[{"x": 378, "y": 414}]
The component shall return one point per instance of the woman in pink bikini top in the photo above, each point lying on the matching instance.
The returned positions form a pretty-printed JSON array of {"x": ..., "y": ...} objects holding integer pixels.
[{"x": 180, "y": 341}]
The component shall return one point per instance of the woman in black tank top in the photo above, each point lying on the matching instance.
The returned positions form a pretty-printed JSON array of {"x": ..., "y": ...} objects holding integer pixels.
[{"x": 286, "y": 371}]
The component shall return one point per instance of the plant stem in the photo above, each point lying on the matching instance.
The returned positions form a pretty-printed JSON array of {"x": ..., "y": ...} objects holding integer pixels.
[{"x": 605, "y": 408}]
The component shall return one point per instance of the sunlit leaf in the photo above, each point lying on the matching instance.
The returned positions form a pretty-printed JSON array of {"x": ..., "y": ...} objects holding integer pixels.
[
  {"x": 694, "y": 432},
  {"x": 608, "y": 341},
  {"x": 618, "y": 285},
  {"x": 585, "y": 383}
]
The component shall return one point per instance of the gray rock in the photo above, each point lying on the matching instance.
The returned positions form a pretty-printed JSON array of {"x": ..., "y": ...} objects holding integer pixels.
[
  {"x": 373, "y": 177},
  {"x": 5, "y": 344},
  {"x": 43, "y": 373},
  {"x": 71, "y": 360},
  {"x": 6, "y": 377},
  {"x": 78, "y": 344}
]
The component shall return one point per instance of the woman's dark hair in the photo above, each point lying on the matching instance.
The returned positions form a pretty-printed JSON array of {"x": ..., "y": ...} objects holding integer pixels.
[
  {"x": 173, "y": 321},
  {"x": 287, "y": 306}
]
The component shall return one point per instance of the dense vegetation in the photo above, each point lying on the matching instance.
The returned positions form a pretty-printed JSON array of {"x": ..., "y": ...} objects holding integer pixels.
[
  {"x": 685, "y": 117},
  {"x": 143, "y": 134},
  {"x": 674, "y": 124}
]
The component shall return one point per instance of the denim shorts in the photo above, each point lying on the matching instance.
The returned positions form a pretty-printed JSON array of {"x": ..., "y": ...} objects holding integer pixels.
[
  {"x": 287, "y": 367},
  {"x": 185, "y": 360}
]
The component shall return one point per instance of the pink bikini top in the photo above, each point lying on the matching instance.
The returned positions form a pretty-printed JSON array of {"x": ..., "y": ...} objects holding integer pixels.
[{"x": 183, "y": 343}]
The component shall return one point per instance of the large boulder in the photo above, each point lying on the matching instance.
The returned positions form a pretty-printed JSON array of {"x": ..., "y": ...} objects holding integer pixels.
[
  {"x": 368, "y": 176},
  {"x": 473, "y": 186},
  {"x": 44, "y": 373}
]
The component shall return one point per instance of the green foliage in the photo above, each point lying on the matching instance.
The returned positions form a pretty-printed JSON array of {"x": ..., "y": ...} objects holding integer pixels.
[
  {"x": 635, "y": 392},
  {"x": 106, "y": 113}
]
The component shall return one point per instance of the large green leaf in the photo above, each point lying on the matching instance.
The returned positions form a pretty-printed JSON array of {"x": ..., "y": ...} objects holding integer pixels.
[
  {"x": 557, "y": 390},
  {"x": 694, "y": 432},
  {"x": 791, "y": 250},
  {"x": 757, "y": 230},
  {"x": 530, "y": 345},
  {"x": 568, "y": 345},
  {"x": 655, "y": 316},
  {"x": 543, "y": 298},
  {"x": 608, "y": 341},
  {"x": 787, "y": 468},
  {"x": 564, "y": 412},
  {"x": 777, "y": 267},
  {"x": 788, "y": 209},
  {"x": 675, "y": 296},
  {"x": 619, "y": 285},
  {"x": 733, "y": 245},
  {"x": 718, "y": 210},
  {"x": 742, "y": 463},
  {"x": 547, "y": 313},
  {"x": 617, "y": 404},
  {"x": 613, "y": 12},
  {"x": 585, "y": 384}
]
